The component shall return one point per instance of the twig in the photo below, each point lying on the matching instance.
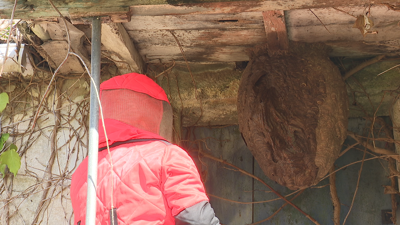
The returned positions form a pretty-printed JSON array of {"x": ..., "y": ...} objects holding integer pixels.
[
  {"x": 388, "y": 70},
  {"x": 49, "y": 167},
  {"x": 43, "y": 114},
  {"x": 277, "y": 211},
  {"x": 347, "y": 149},
  {"x": 256, "y": 178},
  {"x": 9, "y": 36},
  {"x": 362, "y": 66},
  {"x": 59, "y": 66},
  {"x": 393, "y": 197},
  {"x": 344, "y": 12},
  {"x": 372, "y": 158},
  {"x": 391, "y": 7},
  {"x": 191, "y": 75},
  {"x": 319, "y": 20},
  {"x": 335, "y": 197},
  {"x": 377, "y": 150},
  {"x": 165, "y": 71},
  {"x": 257, "y": 202},
  {"x": 358, "y": 183},
  {"x": 392, "y": 167}
]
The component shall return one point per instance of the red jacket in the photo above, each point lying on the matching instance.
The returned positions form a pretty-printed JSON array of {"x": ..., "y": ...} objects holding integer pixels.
[{"x": 153, "y": 181}]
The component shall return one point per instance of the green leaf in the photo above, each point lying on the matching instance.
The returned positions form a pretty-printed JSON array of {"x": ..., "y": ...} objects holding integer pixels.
[
  {"x": 15, "y": 148},
  {"x": 3, "y": 101},
  {"x": 12, "y": 159},
  {"x": 3, "y": 139}
]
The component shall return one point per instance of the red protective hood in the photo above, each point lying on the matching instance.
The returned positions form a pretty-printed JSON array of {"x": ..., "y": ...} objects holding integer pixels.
[
  {"x": 135, "y": 82},
  {"x": 118, "y": 131}
]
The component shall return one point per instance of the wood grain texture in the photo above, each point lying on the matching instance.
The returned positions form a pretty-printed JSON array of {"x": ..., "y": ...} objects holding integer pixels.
[
  {"x": 275, "y": 28},
  {"x": 196, "y": 22},
  {"x": 41, "y": 8},
  {"x": 227, "y": 144},
  {"x": 116, "y": 40}
]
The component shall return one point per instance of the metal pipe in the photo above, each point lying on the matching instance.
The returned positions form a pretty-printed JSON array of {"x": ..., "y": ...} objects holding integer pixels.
[{"x": 93, "y": 123}]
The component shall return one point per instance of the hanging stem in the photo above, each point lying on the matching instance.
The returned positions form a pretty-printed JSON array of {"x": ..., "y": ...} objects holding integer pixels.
[
  {"x": 53, "y": 146},
  {"x": 335, "y": 197}
]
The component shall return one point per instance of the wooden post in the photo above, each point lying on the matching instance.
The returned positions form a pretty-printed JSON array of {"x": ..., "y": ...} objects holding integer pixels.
[{"x": 275, "y": 27}]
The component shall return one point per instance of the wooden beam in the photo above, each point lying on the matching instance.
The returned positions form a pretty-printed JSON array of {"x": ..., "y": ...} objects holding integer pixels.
[
  {"x": 121, "y": 48},
  {"x": 226, "y": 7},
  {"x": 107, "y": 15},
  {"x": 41, "y": 9},
  {"x": 275, "y": 28}
]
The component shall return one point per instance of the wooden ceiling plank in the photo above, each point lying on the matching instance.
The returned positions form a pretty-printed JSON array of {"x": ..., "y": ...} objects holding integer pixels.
[
  {"x": 164, "y": 54},
  {"x": 118, "y": 42},
  {"x": 113, "y": 14},
  {"x": 41, "y": 9},
  {"x": 204, "y": 38},
  {"x": 243, "y": 6},
  {"x": 275, "y": 28},
  {"x": 180, "y": 22}
]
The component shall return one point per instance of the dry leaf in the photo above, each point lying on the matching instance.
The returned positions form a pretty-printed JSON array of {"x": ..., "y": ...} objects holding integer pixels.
[{"x": 364, "y": 24}]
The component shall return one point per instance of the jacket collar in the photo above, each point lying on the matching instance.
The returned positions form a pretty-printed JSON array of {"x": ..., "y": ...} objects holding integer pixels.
[{"x": 118, "y": 131}]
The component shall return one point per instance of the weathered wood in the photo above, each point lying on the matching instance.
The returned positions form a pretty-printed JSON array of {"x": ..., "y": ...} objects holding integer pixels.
[
  {"x": 338, "y": 26},
  {"x": 209, "y": 8},
  {"x": 165, "y": 54},
  {"x": 116, "y": 40},
  {"x": 57, "y": 31},
  {"x": 56, "y": 36},
  {"x": 72, "y": 65},
  {"x": 115, "y": 14},
  {"x": 199, "y": 38},
  {"x": 275, "y": 28},
  {"x": 41, "y": 9},
  {"x": 242, "y": 20},
  {"x": 338, "y": 32},
  {"x": 204, "y": 30},
  {"x": 227, "y": 144}
]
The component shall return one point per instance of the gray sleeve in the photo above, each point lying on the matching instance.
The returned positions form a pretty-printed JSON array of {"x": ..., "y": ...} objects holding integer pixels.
[{"x": 199, "y": 214}]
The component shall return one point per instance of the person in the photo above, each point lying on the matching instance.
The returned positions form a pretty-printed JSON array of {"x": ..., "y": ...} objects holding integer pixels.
[{"x": 154, "y": 182}]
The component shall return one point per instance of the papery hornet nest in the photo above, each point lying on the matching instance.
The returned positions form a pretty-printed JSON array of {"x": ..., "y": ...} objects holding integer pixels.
[{"x": 293, "y": 111}]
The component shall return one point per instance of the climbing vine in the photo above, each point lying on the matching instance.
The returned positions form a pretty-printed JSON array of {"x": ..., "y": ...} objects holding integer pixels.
[{"x": 9, "y": 158}]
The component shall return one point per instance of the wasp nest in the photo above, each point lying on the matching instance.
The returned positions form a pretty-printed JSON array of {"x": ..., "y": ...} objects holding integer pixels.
[{"x": 293, "y": 111}]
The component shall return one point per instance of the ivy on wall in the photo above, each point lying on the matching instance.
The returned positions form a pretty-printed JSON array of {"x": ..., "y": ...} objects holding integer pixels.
[{"x": 9, "y": 158}]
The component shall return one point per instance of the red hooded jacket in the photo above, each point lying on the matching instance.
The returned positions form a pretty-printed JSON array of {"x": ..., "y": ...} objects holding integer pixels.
[{"x": 153, "y": 180}]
